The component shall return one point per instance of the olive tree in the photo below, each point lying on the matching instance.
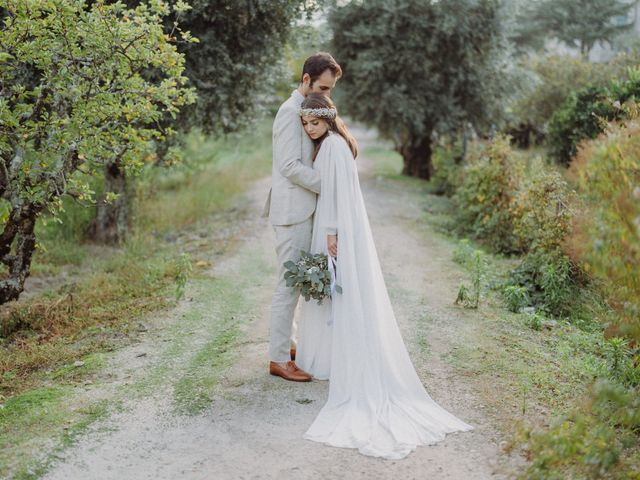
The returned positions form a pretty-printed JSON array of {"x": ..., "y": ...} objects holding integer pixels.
[
  {"x": 414, "y": 67},
  {"x": 233, "y": 68},
  {"x": 80, "y": 86}
]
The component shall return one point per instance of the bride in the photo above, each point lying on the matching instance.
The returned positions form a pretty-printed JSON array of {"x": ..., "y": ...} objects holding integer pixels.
[{"x": 376, "y": 402}]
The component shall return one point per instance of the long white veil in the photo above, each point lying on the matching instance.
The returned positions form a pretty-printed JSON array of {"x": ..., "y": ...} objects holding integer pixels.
[{"x": 376, "y": 402}]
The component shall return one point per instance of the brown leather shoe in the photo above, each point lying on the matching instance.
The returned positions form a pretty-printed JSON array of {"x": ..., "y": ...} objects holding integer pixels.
[
  {"x": 290, "y": 372},
  {"x": 292, "y": 353}
]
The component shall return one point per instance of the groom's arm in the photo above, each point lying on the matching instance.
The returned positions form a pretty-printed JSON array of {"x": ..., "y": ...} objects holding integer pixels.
[{"x": 288, "y": 141}]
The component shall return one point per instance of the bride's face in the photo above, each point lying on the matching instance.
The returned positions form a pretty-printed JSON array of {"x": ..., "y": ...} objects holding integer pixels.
[{"x": 314, "y": 126}]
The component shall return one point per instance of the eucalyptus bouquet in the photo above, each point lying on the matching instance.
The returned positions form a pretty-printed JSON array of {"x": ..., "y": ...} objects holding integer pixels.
[{"x": 312, "y": 274}]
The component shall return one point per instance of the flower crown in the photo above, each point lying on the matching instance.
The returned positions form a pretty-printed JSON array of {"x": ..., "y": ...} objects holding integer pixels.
[{"x": 319, "y": 112}]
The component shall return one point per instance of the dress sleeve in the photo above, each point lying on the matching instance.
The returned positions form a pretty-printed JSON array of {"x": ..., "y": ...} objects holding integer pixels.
[{"x": 328, "y": 199}]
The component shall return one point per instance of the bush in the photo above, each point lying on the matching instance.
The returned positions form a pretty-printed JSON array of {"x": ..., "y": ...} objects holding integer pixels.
[
  {"x": 517, "y": 297},
  {"x": 584, "y": 115},
  {"x": 555, "y": 77},
  {"x": 486, "y": 195},
  {"x": 580, "y": 116},
  {"x": 606, "y": 236},
  {"x": 597, "y": 440},
  {"x": 542, "y": 222},
  {"x": 515, "y": 213}
]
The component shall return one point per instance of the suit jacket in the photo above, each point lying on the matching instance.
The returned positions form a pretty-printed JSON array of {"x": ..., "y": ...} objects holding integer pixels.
[{"x": 294, "y": 182}]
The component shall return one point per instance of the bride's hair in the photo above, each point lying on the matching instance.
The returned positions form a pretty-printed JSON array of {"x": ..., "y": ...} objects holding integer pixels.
[{"x": 318, "y": 100}]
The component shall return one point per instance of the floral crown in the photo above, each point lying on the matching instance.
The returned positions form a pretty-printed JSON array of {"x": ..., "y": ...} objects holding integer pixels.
[{"x": 319, "y": 112}]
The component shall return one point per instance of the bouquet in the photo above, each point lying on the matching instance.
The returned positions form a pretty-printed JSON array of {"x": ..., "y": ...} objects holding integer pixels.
[{"x": 312, "y": 273}]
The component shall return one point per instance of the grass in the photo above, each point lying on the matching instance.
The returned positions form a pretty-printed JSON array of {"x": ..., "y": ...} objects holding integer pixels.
[
  {"x": 94, "y": 297},
  {"x": 194, "y": 389}
]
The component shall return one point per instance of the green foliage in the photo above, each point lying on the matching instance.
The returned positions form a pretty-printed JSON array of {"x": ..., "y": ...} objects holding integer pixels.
[
  {"x": 542, "y": 210},
  {"x": 517, "y": 297},
  {"x": 577, "y": 23},
  {"x": 556, "y": 77},
  {"x": 515, "y": 212},
  {"x": 606, "y": 239},
  {"x": 596, "y": 440},
  {"x": 86, "y": 101},
  {"x": 441, "y": 69},
  {"x": 542, "y": 222},
  {"x": 447, "y": 167},
  {"x": 469, "y": 297},
  {"x": 237, "y": 61},
  {"x": 585, "y": 113},
  {"x": 533, "y": 321},
  {"x": 311, "y": 275},
  {"x": 77, "y": 94},
  {"x": 486, "y": 195}
]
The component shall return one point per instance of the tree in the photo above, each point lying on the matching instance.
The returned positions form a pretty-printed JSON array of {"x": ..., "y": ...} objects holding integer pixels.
[
  {"x": 416, "y": 67},
  {"x": 577, "y": 23},
  {"x": 233, "y": 68},
  {"x": 75, "y": 94}
]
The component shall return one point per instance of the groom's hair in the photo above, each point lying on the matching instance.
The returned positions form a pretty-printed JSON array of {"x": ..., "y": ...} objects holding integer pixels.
[{"x": 317, "y": 63}]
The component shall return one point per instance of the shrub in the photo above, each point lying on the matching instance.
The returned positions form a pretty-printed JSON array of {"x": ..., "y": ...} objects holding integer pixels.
[
  {"x": 469, "y": 297},
  {"x": 517, "y": 297},
  {"x": 486, "y": 195},
  {"x": 533, "y": 321},
  {"x": 584, "y": 115},
  {"x": 541, "y": 210},
  {"x": 542, "y": 222},
  {"x": 555, "y": 77},
  {"x": 596, "y": 440},
  {"x": 606, "y": 235}
]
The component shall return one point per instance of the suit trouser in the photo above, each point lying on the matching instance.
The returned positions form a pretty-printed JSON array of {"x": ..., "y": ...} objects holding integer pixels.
[{"x": 290, "y": 240}]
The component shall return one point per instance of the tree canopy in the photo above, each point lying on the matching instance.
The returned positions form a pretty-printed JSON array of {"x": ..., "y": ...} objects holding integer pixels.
[
  {"x": 79, "y": 87},
  {"x": 414, "y": 67},
  {"x": 576, "y": 23},
  {"x": 234, "y": 64}
]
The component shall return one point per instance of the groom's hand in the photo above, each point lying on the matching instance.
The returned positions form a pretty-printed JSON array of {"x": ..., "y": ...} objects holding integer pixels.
[{"x": 332, "y": 245}]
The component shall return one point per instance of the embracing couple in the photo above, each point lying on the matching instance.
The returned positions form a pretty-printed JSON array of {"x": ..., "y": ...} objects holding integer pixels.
[{"x": 376, "y": 402}]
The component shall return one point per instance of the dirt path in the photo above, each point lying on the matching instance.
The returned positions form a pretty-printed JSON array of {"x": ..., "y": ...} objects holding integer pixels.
[{"x": 252, "y": 429}]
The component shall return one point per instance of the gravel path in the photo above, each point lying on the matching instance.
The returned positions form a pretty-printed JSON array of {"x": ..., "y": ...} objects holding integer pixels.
[{"x": 253, "y": 427}]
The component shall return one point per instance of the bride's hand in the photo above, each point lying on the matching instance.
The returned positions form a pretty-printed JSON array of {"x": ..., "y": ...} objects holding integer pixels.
[{"x": 332, "y": 245}]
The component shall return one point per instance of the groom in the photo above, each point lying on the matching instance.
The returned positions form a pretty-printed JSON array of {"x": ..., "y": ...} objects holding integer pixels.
[{"x": 291, "y": 204}]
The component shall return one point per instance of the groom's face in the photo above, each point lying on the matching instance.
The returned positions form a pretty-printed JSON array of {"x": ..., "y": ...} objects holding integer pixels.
[{"x": 323, "y": 84}]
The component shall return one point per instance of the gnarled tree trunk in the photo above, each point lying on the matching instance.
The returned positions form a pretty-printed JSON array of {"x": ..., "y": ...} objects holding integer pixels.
[
  {"x": 18, "y": 233},
  {"x": 416, "y": 154}
]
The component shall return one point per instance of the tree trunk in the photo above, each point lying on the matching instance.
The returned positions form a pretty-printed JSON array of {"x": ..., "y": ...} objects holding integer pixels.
[
  {"x": 18, "y": 231},
  {"x": 417, "y": 157},
  {"x": 112, "y": 218}
]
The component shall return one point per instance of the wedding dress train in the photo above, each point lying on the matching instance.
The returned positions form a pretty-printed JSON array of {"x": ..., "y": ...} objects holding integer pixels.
[{"x": 376, "y": 402}]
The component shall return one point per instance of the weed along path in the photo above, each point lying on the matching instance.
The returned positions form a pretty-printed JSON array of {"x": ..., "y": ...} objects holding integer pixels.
[{"x": 193, "y": 400}]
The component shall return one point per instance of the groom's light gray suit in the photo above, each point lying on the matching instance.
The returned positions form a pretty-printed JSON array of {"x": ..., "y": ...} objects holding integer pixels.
[{"x": 290, "y": 207}]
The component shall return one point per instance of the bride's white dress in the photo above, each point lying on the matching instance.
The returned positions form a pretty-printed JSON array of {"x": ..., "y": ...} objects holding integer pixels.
[{"x": 376, "y": 402}]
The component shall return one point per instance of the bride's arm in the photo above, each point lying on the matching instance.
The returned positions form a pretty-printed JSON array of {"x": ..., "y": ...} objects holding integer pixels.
[{"x": 328, "y": 200}]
